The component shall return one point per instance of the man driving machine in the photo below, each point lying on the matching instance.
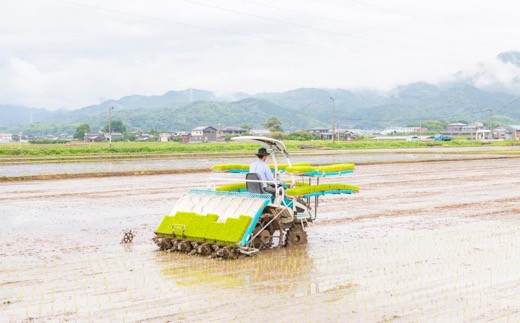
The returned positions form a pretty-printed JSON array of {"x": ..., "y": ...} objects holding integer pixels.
[{"x": 264, "y": 172}]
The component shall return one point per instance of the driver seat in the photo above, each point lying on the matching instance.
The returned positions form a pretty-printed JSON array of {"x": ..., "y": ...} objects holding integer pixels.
[{"x": 254, "y": 187}]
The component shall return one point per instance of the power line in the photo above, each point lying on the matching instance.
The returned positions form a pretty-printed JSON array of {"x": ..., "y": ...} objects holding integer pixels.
[
  {"x": 391, "y": 10},
  {"x": 294, "y": 24},
  {"x": 316, "y": 29},
  {"x": 164, "y": 20},
  {"x": 337, "y": 20}
]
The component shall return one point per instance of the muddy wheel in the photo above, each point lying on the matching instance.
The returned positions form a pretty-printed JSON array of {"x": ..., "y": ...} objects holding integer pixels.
[
  {"x": 164, "y": 243},
  {"x": 205, "y": 249},
  {"x": 184, "y": 246},
  {"x": 228, "y": 252},
  {"x": 296, "y": 236},
  {"x": 264, "y": 240}
]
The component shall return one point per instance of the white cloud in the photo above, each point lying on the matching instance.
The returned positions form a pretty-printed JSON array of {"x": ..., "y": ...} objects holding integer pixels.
[{"x": 55, "y": 54}]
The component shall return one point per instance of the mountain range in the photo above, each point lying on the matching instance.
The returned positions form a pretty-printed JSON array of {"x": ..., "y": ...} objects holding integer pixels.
[{"x": 491, "y": 89}]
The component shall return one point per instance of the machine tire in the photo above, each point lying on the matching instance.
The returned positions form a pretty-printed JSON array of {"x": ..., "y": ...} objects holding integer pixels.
[{"x": 296, "y": 236}]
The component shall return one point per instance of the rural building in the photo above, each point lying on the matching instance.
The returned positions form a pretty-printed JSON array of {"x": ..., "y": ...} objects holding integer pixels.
[
  {"x": 141, "y": 136},
  {"x": 340, "y": 134},
  {"x": 94, "y": 137},
  {"x": 204, "y": 134},
  {"x": 260, "y": 132},
  {"x": 395, "y": 130},
  {"x": 115, "y": 135},
  {"x": 474, "y": 130},
  {"x": 6, "y": 137},
  {"x": 185, "y": 137},
  {"x": 166, "y": 136},
  {"x": 454, "y": 128},
  {"x": 515, "y": 131},
  {"x": 319, "y": 131},
  {"x": 502, "y": 132},
  {"x": 235, "y": 131}
]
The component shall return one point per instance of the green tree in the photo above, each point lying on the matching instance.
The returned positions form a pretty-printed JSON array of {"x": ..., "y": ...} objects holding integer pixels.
[
  {"x": 80, "y": 131},
  {"x": 228, "y": 137},
  {"x": 277, "y": 135},
  {"x": 245, "y": 126},
  {"x": 273, "y": 124},
  {"x": 117, "y": 126},
  {"x": 130, "y": 136}
]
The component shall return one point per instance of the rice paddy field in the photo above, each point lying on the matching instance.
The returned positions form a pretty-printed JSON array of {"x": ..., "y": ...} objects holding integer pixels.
[{"x": 429, "y": 241}]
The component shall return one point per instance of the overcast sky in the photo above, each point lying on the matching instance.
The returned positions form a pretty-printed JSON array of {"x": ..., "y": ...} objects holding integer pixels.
[{"x": 61, "y": 53}]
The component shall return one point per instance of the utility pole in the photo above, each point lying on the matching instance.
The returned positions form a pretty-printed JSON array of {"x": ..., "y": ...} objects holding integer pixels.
[
  {"x": 110, "y": 125},
  {"x": 20, "y": 140},
  {"x": 490, "y": 126},
  {"x": 333, "y": 132}
]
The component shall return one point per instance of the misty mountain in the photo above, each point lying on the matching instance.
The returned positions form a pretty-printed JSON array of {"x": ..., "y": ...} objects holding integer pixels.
[
  {"x": 510, "y": 57},
  {"x": 251, "y": 111},
  {"x": 468, "y": 95},
  {"x": 168, "y": 99},
  {"x": 10, "y": 114}
]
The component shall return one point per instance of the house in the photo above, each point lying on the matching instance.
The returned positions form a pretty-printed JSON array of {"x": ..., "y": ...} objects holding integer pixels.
[
  {"x": 515, "y": 131},
  {"x": 474, "y": 130},
  {"x": 502, "y": 132},
  {"x": 319, "y": 131},
  {"x": 395, "y": 130},
  {"x": 260, "y": 132},
  {"x": 454, "y": 128},
  {"x": 340, "y": 134},
  {"x": 94, "y": 137},
  {"x": 6, "y": 137},
  {"x": 166, "y": 136},
  {"x": 203, "y": 134},
  {"x": 142, "y": 136},
  {"x": 185, "y": 137},
  {"x": 231, "y": 131},
  {"x": 115, "y": 135}
]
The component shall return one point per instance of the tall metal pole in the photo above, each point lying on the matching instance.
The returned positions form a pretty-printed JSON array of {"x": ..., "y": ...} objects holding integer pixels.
[
  {"x": 333, "y": 130},
  {"x": 490, "y": 130},
  {"x": 110, "y": 126}
]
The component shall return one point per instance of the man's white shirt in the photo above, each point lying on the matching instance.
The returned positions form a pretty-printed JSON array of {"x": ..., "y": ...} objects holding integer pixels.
[{"x": 261, "y": 168}]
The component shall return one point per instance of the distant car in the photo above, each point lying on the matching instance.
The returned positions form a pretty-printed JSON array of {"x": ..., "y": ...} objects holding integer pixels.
[
  {"x": 442, "y": 138},
  {"x": 412, "y": 138}
]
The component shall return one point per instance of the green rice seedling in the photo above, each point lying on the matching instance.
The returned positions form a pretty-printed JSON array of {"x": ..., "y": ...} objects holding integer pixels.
[
  {"x": 303, "y": 190},
  {"x": 335, "y": 168},
  {"x": 233, "y": 187},
  {"x": 284, "y": 166},
  {"x": 300, "y": 169}
]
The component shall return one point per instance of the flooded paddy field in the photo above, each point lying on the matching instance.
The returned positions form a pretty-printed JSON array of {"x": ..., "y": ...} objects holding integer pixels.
[
  {"x": 20, "y": 168},
  {"x": 435, "y": 241}
]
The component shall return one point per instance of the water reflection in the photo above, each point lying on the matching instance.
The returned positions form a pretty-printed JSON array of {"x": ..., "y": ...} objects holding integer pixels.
[{"x": 289, "y": 271}]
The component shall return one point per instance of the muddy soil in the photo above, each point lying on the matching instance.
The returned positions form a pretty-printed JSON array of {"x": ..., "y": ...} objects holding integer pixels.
[{"x": 421, "y": 241}]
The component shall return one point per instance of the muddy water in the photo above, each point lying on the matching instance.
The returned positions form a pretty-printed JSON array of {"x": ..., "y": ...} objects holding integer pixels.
[
  {"x": 118, "y": 166},
  {"x": 434, "y": 241}
]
